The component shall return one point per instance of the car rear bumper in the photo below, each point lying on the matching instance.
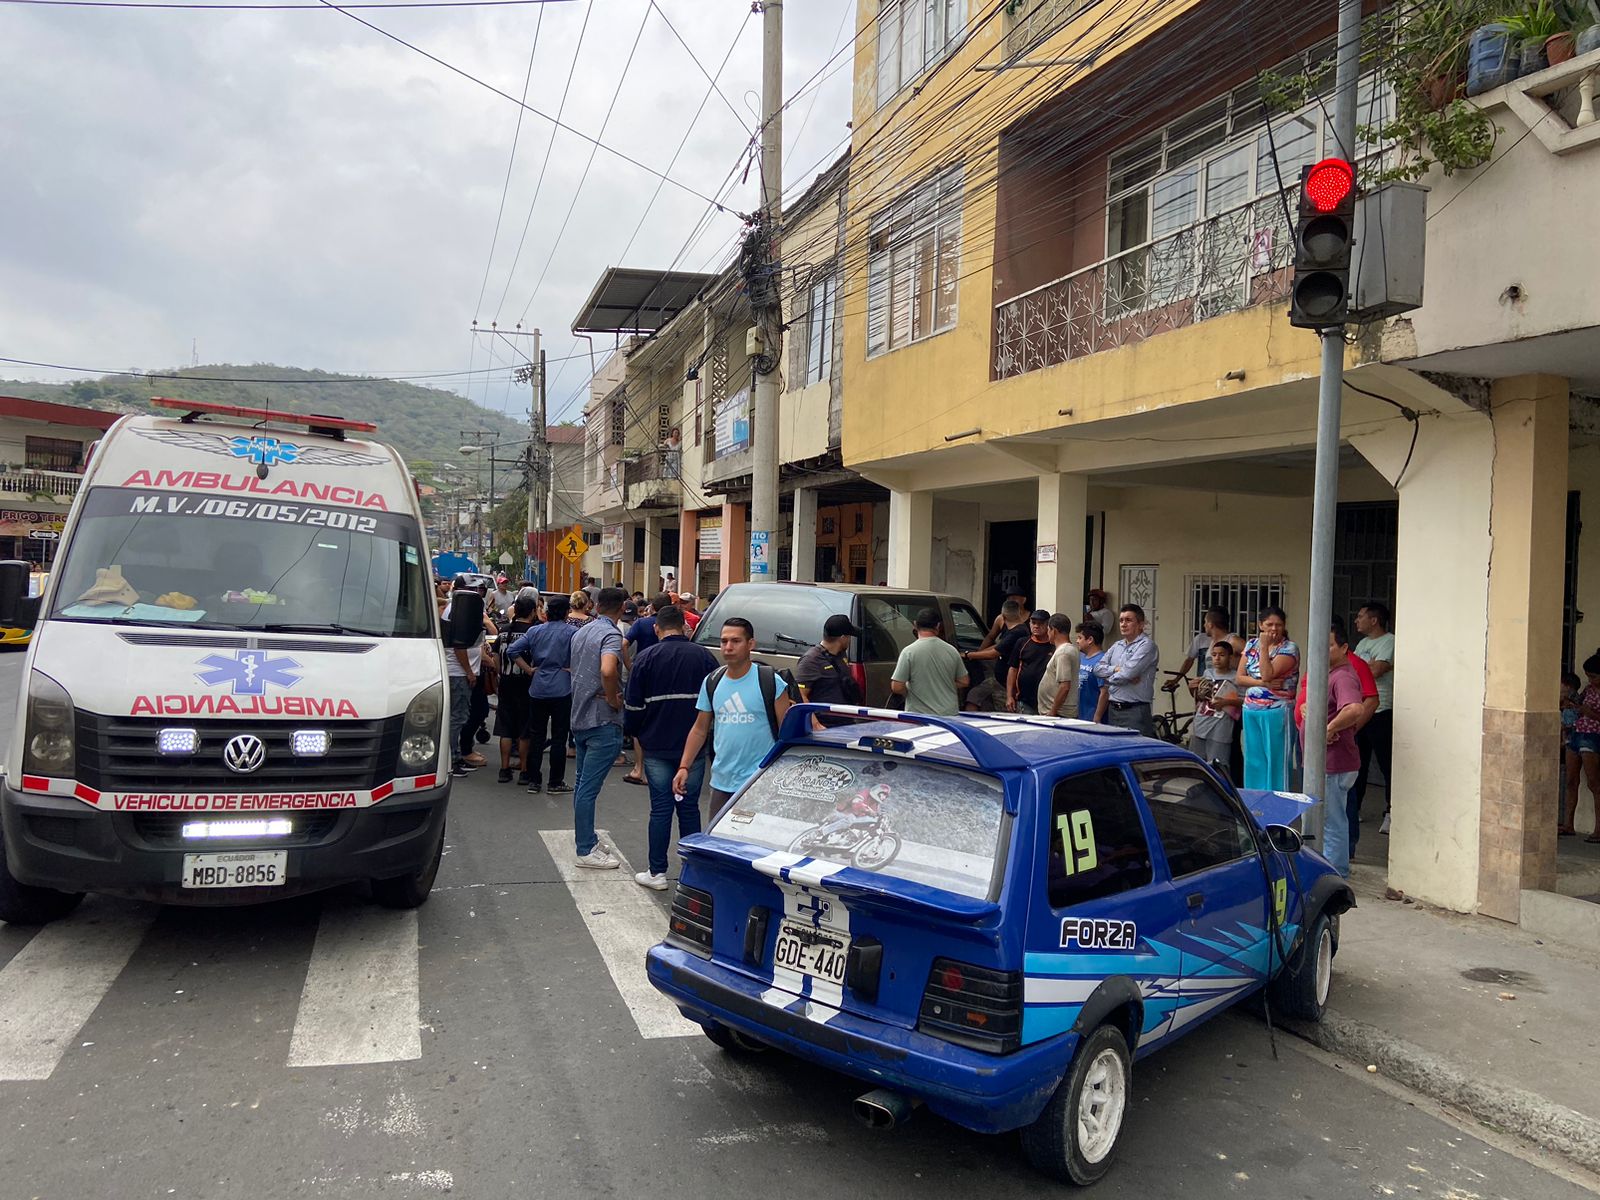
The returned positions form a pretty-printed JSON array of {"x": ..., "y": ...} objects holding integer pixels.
[
  {"x": 987, "y": 1093},
  {"x": 59, "y": 842}
]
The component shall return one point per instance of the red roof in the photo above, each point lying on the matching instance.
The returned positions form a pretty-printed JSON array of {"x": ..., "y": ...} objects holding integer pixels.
[
  {"x": 55, "y": 414},
  {"x": 564, "y": 435}
]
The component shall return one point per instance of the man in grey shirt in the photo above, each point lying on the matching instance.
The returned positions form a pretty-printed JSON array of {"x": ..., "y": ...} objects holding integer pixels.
[
  {"x": 596, "y": 719},
  {"x": 1129, "y": 670}
]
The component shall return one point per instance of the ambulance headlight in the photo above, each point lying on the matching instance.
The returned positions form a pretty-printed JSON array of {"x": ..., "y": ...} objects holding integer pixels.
[
  {"x": 48, "y": 725},
  {"x": 420, "y": 747}
]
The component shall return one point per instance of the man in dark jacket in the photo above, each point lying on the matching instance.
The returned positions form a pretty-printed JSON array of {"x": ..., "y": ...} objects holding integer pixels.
[{"x": 659, "y": 712}]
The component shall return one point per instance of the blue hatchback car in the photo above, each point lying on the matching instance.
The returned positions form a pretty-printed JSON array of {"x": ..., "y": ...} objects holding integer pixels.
[{"x": 993, "y": 916}]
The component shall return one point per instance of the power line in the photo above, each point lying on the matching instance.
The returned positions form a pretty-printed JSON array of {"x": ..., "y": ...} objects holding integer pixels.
[
  {"x": 471, "y": 78},
  {"x": 584, "y": 178},
  {"x": 737, "y": 115},
  {"x": 270, "y": 7},
  {"x": 505, "y": 188},
  {"x": 544, "y": 164}
]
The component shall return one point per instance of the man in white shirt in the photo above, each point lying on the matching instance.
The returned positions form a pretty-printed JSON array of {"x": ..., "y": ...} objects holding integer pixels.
[{"x": 1058, "y": 689}]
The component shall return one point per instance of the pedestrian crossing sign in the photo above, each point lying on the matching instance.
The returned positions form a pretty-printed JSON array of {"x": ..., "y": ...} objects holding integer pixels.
[{"x": 572, "y": 545}]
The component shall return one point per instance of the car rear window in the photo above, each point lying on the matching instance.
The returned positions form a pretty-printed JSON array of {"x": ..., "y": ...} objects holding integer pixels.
[
  {"x": 787, "y": 619},
  {"x": 907, "y": 819}
]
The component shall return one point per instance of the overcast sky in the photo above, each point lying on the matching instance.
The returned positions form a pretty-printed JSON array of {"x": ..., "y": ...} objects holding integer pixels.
[{"x": 291, "y": 187}]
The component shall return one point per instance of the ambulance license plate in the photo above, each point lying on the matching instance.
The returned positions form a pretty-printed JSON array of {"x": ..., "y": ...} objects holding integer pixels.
[
  {"x": 812, "y": 950},
  {"x": 241, "y": 868}
]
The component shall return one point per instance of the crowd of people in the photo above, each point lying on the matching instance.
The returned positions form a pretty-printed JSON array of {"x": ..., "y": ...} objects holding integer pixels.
[{"x": 585, "y": 677}]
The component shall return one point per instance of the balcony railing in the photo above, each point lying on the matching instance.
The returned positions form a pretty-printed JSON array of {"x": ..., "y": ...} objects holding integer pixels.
[
  {"x": 55, "y": 486},
  {"x": 651, "y": 481},
  {"x": 658, "y": 464},
  {"x": 1034, "y": 20},
  {"x": 1234, "y": 260}
]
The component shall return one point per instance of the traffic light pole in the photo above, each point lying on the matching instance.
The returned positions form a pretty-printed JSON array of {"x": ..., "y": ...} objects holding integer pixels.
[{"x": 1325, "y": 496}]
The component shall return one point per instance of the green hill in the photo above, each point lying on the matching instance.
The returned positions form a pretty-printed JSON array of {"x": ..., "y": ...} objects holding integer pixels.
[{"x": 423, "y": 423}]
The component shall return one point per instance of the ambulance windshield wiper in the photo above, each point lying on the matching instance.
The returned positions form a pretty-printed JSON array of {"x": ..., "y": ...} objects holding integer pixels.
[{"x": 322, "y": 627}]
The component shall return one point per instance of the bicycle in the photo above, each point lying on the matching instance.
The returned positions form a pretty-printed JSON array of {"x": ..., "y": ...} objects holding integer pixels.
[{"x": 1172, "y": 725}]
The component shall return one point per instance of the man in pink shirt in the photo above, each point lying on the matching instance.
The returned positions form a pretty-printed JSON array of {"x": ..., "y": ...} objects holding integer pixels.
[{"x": 1345, "y": 712}]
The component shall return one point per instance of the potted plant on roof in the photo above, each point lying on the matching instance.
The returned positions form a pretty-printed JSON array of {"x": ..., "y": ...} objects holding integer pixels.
[
  {"x": 1586, "y": 26},
  {"x": 1533, "y": 29}
]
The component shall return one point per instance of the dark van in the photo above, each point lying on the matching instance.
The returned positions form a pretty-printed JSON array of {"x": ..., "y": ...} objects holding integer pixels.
[{"x": 788, "y": 619}]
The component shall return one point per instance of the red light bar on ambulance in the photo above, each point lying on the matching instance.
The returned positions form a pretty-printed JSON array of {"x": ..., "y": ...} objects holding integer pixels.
[{"x": 195, "y": 408}]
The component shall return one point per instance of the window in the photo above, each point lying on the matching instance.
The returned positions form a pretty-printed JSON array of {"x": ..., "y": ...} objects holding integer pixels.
[
  {"x": 786, "y": 620},
  {"x": 913, "y": 259},
  {"x": 1198, "y": 826},
  {"x": 891, "y": 624},
  {"x": 619, "y": 419},
  {"x": 904, "y": 819},
  {"x": 969, "y": 630},
  {"x": 1097, "y": 842},
  {"x": 821, "y": 315},
  {"x": 913, "y": 35},
  {"x": 53, "y": 454},
  {"x": 1241, "y": 596}
]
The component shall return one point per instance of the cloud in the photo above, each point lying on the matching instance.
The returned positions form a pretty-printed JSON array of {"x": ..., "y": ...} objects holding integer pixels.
[{"x": 291, "y": 187}]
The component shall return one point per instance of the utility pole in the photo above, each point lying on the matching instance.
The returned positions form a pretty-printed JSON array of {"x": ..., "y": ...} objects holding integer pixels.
[
  {"x": 767, "y": 297},
  {"x": 1325, "y": 496},
  {"x": 538, "y": 461}
]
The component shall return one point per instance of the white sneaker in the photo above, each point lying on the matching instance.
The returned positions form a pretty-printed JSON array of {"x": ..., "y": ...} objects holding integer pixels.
[
  {"x": 657, "y": 883},
  {"x": 598, "y": 859},
  {"x": 1384, "y": 828}
]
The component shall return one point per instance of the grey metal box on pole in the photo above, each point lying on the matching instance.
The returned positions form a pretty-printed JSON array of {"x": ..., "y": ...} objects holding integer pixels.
[{"x": 1391, "y": 232}]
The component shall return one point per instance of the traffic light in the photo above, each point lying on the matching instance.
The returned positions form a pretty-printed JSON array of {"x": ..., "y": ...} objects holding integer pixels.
[{"x": 1323, "y": 238}]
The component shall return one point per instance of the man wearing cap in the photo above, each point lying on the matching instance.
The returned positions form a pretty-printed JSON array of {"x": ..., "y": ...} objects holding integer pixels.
[
  {"x": 824, "y": 673},
  {"x": 1099, "y": 609},
  {"x": 1029, "y": 659},
  {"x": 502, "y": 598},
  {"x": 690, "y": 617}
]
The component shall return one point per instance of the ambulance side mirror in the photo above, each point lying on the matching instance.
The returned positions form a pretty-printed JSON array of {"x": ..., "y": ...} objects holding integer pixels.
[
  {"x": 465, "y": 625},
  {"x": 13, "y": 590}
]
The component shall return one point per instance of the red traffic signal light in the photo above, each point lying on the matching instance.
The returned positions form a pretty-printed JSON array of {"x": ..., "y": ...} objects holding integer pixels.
[{"x": 1329, "y": 184}]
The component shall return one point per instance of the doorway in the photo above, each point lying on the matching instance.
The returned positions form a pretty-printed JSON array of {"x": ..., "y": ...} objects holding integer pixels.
[
  {"x": 1365, "y": 558},
  {"x": 1013, "y": 546}
]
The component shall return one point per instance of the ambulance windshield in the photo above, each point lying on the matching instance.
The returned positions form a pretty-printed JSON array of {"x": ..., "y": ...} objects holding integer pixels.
[{"x": 144, "y": 557}]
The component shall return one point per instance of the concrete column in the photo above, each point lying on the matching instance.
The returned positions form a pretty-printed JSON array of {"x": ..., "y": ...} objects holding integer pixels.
[
  {"x": 735, "y": 544},
  {"x": 1063, "y": 509},
  {"x": 1521, "y": 721},
  {"x": 651, "y": 580},
  {"x": 803, "y": 545},
  {"x": 910, "y": 539},
  {"x": 688, "y": 548}
]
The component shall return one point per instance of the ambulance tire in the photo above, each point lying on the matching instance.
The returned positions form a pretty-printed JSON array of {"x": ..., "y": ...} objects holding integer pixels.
[
  {"x": 1301, "y": 988},
  {"x": 24, "y": 904},
  {"x": 1075, "y": 1138},
  {"x": 409, "y": 891}
]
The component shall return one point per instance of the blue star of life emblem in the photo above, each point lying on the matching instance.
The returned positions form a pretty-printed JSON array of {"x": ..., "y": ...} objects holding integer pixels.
[
  {"x": 248, "y": 671},
  {"x": 263, "y": 451}
]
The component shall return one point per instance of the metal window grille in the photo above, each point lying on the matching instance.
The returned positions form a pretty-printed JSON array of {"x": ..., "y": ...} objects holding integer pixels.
[
  {"x": 1244, "y": 596},
  {"x": 53, "y": 454}
]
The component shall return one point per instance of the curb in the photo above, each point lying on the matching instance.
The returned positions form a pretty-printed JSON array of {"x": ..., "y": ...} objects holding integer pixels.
[{"x": 1551, "y": 1126}]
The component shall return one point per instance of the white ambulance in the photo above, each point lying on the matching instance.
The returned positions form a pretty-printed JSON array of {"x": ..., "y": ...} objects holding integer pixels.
[{"x": 236, "y": 686}]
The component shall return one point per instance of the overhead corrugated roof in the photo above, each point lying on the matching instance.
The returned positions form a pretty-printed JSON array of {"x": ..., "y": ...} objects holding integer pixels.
[{"x": 630, "y": 300}]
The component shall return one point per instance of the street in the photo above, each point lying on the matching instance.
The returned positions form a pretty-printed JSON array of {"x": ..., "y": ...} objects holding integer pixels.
[{"x": 501, "y": 1042}]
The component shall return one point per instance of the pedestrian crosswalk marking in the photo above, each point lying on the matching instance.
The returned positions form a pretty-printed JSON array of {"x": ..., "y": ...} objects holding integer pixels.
[
  {"x": 54, "y": 983},
  {"x": 360, "y": 1003},
  {"x": 624, "y": 923}
]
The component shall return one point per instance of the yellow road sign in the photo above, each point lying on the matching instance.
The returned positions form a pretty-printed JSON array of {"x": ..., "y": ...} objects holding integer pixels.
[{"x": 573, "y": 545}]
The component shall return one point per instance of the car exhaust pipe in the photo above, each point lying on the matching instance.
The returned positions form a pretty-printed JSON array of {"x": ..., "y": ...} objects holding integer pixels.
[{"x": 883, "y": 1109}]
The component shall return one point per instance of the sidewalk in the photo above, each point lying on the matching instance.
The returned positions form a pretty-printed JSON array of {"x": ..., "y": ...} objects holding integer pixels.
[{"x": 1472, "y": 1012}]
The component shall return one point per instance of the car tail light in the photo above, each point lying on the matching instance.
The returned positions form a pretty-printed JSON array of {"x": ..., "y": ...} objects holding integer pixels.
[
  {"x": 858, "y": 671},
  {"x": 690, "y": 923},
  {"x": 977, "y": 1007}
]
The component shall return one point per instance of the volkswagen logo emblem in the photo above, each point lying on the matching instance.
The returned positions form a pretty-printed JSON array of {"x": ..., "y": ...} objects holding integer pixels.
[{"x": 244, "y": 754}]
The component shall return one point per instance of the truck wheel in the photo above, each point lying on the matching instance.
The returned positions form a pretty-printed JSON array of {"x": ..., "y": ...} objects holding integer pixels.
[
  {"x": 1301, "y": 987},
  {"x": 1075, "y": 1138},
  {"x": 24, "y": 904},
  {"x": 409, "y": 891}
]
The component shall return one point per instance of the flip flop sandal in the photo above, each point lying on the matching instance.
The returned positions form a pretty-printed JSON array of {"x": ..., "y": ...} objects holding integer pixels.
[
  {"x": 1593, "y": 840},
  {"x": 632, "y": 780}
]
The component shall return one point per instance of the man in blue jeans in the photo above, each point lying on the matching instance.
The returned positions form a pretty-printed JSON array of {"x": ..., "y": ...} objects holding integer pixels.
[
  {"x": 662, "y": 688},
  {"x": 596, "y": 719}
]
